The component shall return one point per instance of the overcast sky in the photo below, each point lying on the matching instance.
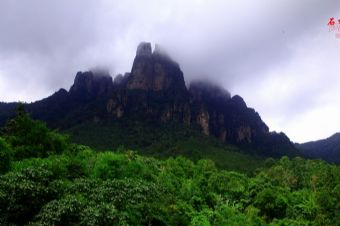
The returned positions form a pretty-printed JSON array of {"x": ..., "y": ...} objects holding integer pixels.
[{"x": 278, "y": 55}]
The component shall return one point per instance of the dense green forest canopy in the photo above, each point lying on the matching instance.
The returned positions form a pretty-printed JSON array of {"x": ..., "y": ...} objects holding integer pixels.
[
  {"x": 47, "y": 180},
  {"x": 163, "y": 140}
]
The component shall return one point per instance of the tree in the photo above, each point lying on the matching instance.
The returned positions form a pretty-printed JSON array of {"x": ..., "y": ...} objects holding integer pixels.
[
  {"x": 5, "y": 156},
  {"x": 31, "y": 138}
]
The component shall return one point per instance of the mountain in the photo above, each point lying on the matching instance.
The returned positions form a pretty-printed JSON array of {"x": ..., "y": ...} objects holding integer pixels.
[
  {"x": 155, "y": 93},
  {"x": 327, "y": 149}
]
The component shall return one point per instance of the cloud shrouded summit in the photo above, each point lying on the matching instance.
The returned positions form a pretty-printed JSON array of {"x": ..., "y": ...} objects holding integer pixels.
[{"x": 278, "y": 55}]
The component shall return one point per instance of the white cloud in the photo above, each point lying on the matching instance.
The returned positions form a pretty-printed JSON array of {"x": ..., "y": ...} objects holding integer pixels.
[{"x": 301, "y": 97}]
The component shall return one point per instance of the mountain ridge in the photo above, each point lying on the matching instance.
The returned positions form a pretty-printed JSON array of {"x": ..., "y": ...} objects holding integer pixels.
[
  {"x": 155, "y": 90},
  {"x": 327, "y": 149}
]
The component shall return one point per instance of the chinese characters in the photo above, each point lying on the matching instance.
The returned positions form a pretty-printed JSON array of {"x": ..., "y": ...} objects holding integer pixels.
[{"x": 333, "y": 25}]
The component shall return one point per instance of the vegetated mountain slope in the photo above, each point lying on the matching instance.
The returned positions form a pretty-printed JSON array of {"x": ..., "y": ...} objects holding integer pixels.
[
  {"x": 155, "y": 92},
  {"x": 327, "y": 149},
  {"x": 46, "y": 180},
  {"x": 163, "y": 141}
]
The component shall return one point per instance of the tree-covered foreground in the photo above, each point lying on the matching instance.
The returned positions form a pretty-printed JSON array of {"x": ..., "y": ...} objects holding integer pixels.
[{"x": 46, "y": 180}]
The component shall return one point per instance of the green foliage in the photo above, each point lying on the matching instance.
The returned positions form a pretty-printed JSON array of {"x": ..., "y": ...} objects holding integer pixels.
[
  {"x": 127, "y": 189},
  {"x": 272, "y": 202},
  {"x": 5, "y": 156},
  {"x": 200, "y": 220},
  {"x": 97, "y": 202},
  {"x": 79, "y": 186},
  {"x": 23, "y": 193},
  {"x": 31, "y": 138},
  {"x": 163, "y": 141},
  {"x": 228, "y": 184}
]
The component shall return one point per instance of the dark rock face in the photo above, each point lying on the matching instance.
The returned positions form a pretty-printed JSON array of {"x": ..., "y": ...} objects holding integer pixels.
[
  {"x": 155, "y": 90},
  {"x": 144, "y": 49},
  {"x": 229, "y": 119},
  {"x": 154, "y": 72},
  {"x": 89, "y": 85}
]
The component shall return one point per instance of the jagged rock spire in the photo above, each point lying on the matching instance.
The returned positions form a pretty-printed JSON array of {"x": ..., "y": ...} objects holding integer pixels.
[
  {"x": 144, "y": 49},
  {"x": 88, "y": 85},
  {"x": 153, "y": 71},
  {"x": 155, "y": 90}
]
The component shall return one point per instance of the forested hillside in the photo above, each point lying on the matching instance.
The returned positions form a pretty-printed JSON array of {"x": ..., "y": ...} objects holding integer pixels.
[
  {"x": 163, "y": 140},
  {"x": 46, "y": 180},
  {"x": 327, "y": 149}
]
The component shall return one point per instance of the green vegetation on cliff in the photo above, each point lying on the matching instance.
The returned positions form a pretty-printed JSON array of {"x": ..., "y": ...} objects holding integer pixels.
[
  {"x": 163, "y": 141},
  {"x": 46, "y": 180}
]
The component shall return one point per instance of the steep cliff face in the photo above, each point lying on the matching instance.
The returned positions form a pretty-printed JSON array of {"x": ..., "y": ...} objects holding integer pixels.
[
  {"x": 142, "y": 70},
  {"x": 90, "y": 85},
  {"x": 155, "y": 90},
  {"x": 155, "y": 71},
  {"x": 228, "y": 118}
]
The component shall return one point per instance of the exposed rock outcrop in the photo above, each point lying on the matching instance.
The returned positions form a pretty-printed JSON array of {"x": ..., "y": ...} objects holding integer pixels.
[
  {"x": 229, "y": 118},
  {"x": 155, "y": 71},
  {"x": 89, "y": 85},
  {"x": 203, "y": 121},
  {"x": 144, "y": 49},
  {"x": 155, "y": 90}
]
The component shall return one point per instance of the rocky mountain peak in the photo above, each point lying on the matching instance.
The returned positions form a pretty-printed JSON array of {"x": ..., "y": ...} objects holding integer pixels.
[
  {"x": 61, "y": 92},
  {"x": 238, "y": 101},
  {"x": 156, "y": 72},
  {"x": 91, "y": 84},
  {"x": 144, "y": 49},
  {"x": 155, "y": 91}
]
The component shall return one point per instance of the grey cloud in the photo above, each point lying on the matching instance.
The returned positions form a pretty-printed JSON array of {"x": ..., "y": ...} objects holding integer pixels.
[{"x": 238, "y": 44}]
